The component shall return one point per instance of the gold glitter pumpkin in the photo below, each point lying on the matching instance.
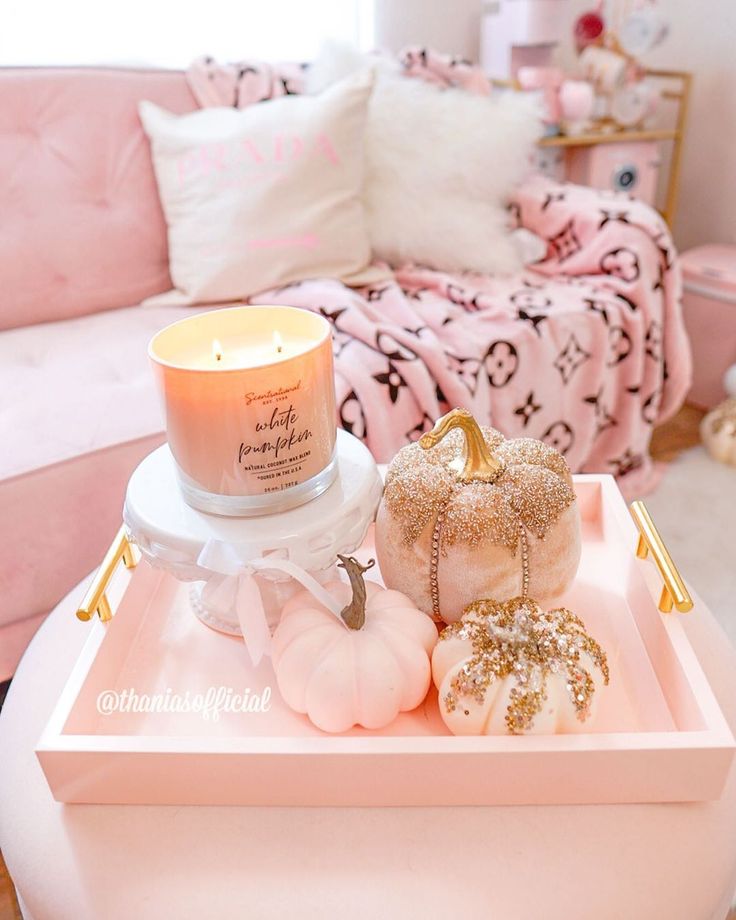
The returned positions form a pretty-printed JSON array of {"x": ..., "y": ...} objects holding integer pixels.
[
  {"x": 513, "y": 667},
  {"x": 467, "y": 514}
]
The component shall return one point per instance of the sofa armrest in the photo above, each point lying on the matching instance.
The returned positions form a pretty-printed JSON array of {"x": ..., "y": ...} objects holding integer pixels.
[{"x": 594, "y": 232}]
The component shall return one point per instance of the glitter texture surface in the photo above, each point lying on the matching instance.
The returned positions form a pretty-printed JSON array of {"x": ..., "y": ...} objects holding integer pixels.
[
  {"x": 518, "y": 641},
  {"x": 534, "y": 488}
]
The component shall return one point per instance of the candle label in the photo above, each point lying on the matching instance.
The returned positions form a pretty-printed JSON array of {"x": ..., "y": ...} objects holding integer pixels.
[
  {"x": 255, "y": 412},
  {"x": 280, "y": 446}
]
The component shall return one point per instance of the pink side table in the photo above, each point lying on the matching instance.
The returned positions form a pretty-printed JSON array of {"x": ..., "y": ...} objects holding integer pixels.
[{"x": 88, "y": 862}]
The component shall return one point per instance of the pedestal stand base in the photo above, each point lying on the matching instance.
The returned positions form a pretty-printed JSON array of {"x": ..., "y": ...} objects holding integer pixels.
[
  {"x": 172, "y": 535},
  {"x": 210, "y": 617}
]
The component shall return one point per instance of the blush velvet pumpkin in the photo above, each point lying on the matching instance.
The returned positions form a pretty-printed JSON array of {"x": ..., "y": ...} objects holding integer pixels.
[{"x": 467, "y": 514}]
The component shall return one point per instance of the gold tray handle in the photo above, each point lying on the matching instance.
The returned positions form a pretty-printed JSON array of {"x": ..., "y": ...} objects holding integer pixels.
[
  {"x": 674, "y": 592},
  {"x": 95, "y": 600}
]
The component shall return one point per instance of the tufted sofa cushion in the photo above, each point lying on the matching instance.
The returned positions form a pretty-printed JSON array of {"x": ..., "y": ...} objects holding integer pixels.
[
  {"x": 76, "y": 386},
  {"x": 82, "y": 229},
  {"x": 78, "y": 412}
]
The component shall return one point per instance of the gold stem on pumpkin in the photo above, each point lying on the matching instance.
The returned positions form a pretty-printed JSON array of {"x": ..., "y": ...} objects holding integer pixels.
[
  {"x": 353, "y": 614},
  {"x": 480, "y": 464}
]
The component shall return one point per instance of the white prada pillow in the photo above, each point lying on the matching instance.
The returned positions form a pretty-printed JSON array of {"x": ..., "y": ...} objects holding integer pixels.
[{"x": 266, "y": 195}]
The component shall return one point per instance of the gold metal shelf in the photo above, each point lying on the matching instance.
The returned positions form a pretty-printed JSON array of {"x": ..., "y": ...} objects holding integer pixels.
[
  {"x": 609, "y": 137},
  {"x": 676, "y": 87},
  {"x": 674, "y": 592},
  {"x": 95, "y": 600}
]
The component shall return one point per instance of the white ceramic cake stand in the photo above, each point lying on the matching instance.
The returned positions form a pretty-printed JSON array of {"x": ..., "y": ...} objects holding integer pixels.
[{"x": 176, "y": 537}]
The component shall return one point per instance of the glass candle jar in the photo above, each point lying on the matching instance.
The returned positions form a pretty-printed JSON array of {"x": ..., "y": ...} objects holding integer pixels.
[{"x": 249, "y": 398}]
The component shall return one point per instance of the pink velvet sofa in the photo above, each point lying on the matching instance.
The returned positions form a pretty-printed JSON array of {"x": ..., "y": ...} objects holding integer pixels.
[{"x": 83, "y": 242}]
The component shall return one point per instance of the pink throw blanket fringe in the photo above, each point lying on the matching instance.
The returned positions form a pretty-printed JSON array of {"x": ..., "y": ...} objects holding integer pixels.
[
  {"x": 587, "y": 351},
  {"x": 245, "y": 82}
]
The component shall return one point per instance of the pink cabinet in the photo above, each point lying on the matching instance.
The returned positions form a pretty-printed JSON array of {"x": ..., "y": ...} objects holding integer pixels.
[
  {"x": 709, "y": 307},
  {"x": 631, "y": 166}
]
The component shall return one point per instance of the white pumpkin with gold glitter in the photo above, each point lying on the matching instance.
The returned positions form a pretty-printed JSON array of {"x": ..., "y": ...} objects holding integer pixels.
[
  {"x": 467, "y": 514},
  {"x": 513, "y": 668}
]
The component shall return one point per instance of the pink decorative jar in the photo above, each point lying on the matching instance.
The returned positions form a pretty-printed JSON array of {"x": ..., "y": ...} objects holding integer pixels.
[{"x": 547, "y": 81}]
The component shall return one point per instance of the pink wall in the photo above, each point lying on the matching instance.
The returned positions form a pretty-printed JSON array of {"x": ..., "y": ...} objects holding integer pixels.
[
  {"x": 448, "y": 25},
  {"x": 701, "y": 40}
]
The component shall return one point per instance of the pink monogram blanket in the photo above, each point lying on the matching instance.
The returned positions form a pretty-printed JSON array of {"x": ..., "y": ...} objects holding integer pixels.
[
  {"x": 587, "y": 351},
  {"x": 245, "y": 82}
]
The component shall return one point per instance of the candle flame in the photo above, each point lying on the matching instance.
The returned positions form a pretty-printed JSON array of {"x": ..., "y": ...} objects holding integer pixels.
[
  {"x": 217, "y": 350},
  {"x": 278, "y": 342}
]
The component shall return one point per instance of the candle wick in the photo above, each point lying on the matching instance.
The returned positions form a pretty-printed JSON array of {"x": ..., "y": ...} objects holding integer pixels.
[
  {"x": 218, "y": 356},
  {"x": 279, "y": 349}
]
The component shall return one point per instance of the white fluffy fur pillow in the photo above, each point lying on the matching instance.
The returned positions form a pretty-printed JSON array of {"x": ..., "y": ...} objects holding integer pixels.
[{"x": 440, "y": 164}]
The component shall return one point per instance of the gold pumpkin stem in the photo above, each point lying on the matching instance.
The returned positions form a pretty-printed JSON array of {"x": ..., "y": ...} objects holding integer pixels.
[
  {"x": 353, "y": 614},
  {"x": 480, "y": 464}
]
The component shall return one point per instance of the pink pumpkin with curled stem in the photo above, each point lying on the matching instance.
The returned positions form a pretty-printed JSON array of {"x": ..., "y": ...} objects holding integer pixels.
[{"x": 361, "y": 668}]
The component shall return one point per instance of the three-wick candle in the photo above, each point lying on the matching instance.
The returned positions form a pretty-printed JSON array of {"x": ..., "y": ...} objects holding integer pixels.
[{"x": 249, "y": 396}]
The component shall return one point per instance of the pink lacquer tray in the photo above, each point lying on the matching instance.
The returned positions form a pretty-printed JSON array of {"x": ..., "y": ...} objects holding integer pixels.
[{"x": 661, "y": 736}]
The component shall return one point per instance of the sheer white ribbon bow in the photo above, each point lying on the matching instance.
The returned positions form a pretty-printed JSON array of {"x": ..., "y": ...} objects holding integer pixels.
[{"x": 233, "y": 585}]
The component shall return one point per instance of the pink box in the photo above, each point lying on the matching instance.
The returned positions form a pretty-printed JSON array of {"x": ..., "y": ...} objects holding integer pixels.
[
  {"x": 709, "y": 309},
  {"x": 661, "y": 736},
  {"x": 631, "y": 167},
  {"x": 518, "y": 33}
]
